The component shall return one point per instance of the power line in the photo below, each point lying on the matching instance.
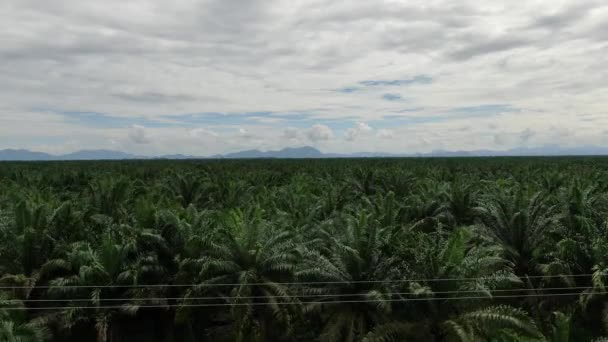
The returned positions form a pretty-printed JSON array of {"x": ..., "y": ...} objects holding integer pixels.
[
  {"x": 295, "y": 303},
  {"x": 347, "y": 282},
  {"x": 288, "y": 296}
]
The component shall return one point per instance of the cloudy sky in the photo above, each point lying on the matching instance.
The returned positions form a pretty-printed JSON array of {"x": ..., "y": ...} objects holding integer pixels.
[{"x": 205, "y": 77}]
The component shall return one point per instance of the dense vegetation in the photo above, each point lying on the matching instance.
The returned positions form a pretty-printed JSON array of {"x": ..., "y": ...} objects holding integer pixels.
[{"x": 320, "y": 250}]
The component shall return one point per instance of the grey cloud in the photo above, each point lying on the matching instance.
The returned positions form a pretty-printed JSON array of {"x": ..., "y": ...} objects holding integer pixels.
[
  {"x": 138, "y": 135},
  {"x": 500, "y": 139},
  {"x": 290, "y": 133},
  {"x": 319, "y": 132},
  {"x": 488, "y": 45},
  {"x": 158, "y": 97},
  {"x": 365, "y": 12},
  {"x": 526, "y": 135},
  {"x": 213, "y": 30},
  {"x": 564, "y": 18},
  {"x": 74, "y": 43},
  {"x": 428, "y": 37}
]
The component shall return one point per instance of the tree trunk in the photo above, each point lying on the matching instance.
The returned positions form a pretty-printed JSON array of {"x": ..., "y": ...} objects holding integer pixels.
[
  {"x": 102, "y": 332},
  {"x": 168, "y": 327},
  {"x": 102, "y": 326}
]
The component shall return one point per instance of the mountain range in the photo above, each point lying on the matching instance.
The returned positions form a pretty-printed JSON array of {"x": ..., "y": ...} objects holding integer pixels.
[{"x": 302, "y": 152}]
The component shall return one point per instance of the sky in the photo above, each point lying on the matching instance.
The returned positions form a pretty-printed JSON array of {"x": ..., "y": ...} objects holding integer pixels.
[{"x": 216, "y": 76}]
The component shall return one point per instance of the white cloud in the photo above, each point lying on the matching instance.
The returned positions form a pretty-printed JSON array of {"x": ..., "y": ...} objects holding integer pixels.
[
  {"x": 361, "y": 129},
  {"x": 385, "y": 134},
  {"x": 202, "y": 132},
  {"x": 138, "y": 135},
  {"x": 319, "y": 133},
  {"x": 245, "y": 134}
]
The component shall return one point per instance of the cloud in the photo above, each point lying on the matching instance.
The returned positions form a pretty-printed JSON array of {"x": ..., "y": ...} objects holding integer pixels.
[
  {"x": 501, "y": 139},
  {"x": 564, "y": 17},
  {"x": 361, "y": 129},
  {"x": 526, "y": 135},
  {"x": 319, "y": 132},
  {"x": 489, "y": 45},
  {"x": 290, "y": 133},
  {"x": 155, "y": 97},
  {"x": 138, "y": 135},
  {"x": 202, "y": 132},
  {"x": 385, "y": 134},
  {"x": 245, "y": 134}
]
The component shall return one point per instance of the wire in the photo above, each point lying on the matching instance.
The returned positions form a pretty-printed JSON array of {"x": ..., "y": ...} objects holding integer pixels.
[
  {"x": 293, "y": 303},
  {"x": 295, "y": 283},
  {"x": 286, "y": 296}
]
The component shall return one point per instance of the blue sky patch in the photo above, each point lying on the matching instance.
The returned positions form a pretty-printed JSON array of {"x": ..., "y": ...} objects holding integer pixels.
[
  {"x": 420, "y": 79},
  {"x": 485, "y": 109},
  {"x": 392, "y": 97},
  {"x": 298, "y": 119},
  {"x": 348, "y": 90},
  {"x": 101, "y": 120},
  {"x": 392, "y": 120},
  {"x": 410, "y": 110}
]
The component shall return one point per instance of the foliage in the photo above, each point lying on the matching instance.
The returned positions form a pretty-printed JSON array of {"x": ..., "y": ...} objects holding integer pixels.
[{"x": 477, "y": 249}]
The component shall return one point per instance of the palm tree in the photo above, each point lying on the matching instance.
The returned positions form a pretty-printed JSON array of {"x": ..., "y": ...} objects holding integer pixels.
[
  {"x": 254, "y": 258},
  {"x": 449, "y": 264},
  {"x": 295, "y": 205},
  {"x": 583, "y": 216},
  {"x": 108, "y": 196},
  {"x": 100, "y": 269},
  {"x": 426, "y": 206},
  {"x": 461, "y": 199},
  {"x": 356, "y": 269},
  {"x": 521, "y": 226},
  {"x": 187, "y": 189},
  {"x": 364, "y": 182},
  {"x": 495, "y": 323},
  {"x": 14, "y": 326}
]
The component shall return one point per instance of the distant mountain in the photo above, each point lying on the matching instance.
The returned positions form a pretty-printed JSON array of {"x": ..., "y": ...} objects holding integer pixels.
[
  {"x": 305, "y": 152},
  {"x": 25, "y": 155},
  {"x": 298, "y": 152},
  {"x": 176, "y": 156},
  {"x": 547, "y": 150},
  {"x": 97, "y": 155},
  {"x": 19, "y": 155}
]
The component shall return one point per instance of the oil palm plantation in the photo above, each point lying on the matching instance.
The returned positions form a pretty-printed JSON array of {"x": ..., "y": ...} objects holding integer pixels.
[{"x": 317, "y": 250}]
